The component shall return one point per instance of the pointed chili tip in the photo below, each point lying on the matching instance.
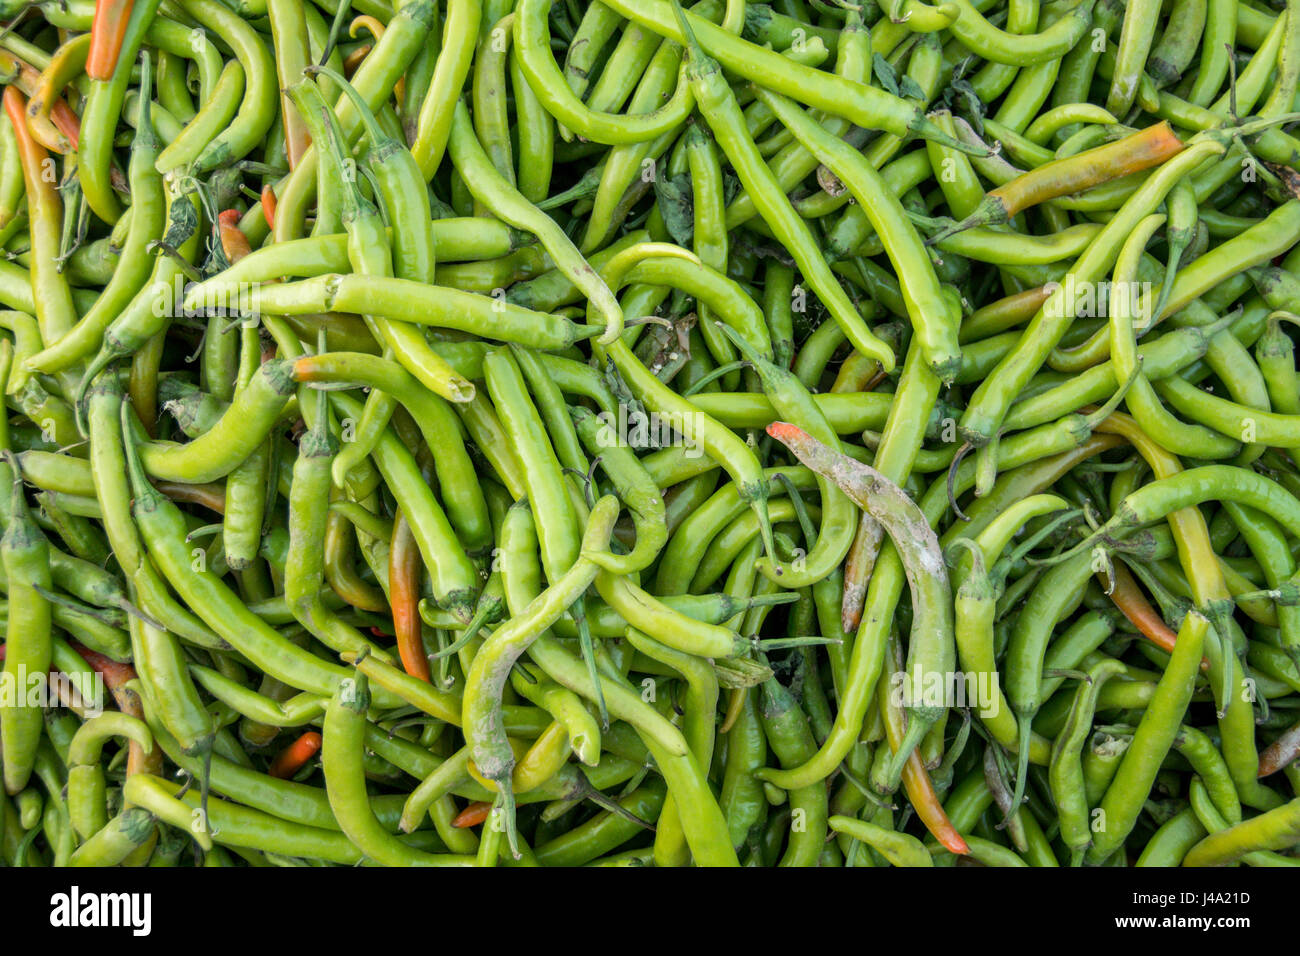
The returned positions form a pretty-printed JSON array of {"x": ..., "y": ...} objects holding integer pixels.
[
  {"x": 473, "y": 815},
  {"x": 954, "y": 843},
  {"x": 784, "y": 430},
  {"x": 268, "y": 205}
]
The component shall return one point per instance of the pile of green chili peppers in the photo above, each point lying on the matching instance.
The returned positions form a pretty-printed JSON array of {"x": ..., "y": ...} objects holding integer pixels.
[{"x": 531, "y": 433}]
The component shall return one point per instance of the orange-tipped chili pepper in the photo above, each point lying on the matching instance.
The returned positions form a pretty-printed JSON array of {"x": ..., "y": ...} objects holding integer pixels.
[
  {"x": 1073, "y": 174},
  {"x": 917, "y": 784},
  {"x": 233, "y": 241},
  {"x": 268, "y": 205},
  {"x": 1188, "y": 524},
  {"x": 295, "y": 756},
  {"x": 57, "y": 132},
  {"x": 1133, "y": 604},
  {"x": 292, "y": 56},
  {"x": 404, "y": 567},
  {"x": 476, "y": 813},
  {"x": 56, "y": 129},
  {"x": 66, "y": 122},
  {"x": 56, "y": 313},
  {"x": 916, "y": 780},
  {"x": 115, "y": 673},
  {"x": 117, "y": 677},
  {"x": 925, "y": 801},
  {"x": 67, "y": 62},
  {"x": 1063, "y": 177},
  {"x": 106, "y": 33}
]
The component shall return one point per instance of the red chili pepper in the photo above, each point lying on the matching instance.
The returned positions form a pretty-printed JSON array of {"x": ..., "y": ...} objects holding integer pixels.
[
  {"x": 404, "y": 569},
  {"x": 472, "y": 815},
  {"x": 268, "y": 205},
  {"x": 106, "y": 33},
  {"x": 916, "y": 782},
  {"x": 116, "y": 676},
  {"x": 1132, "y": 603},
  {"x": 293, "y": 757},
  {"x": 233, "y": 241},
  {"x": 66, "y": 122},
  {"x": 115, "y": 673}
]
